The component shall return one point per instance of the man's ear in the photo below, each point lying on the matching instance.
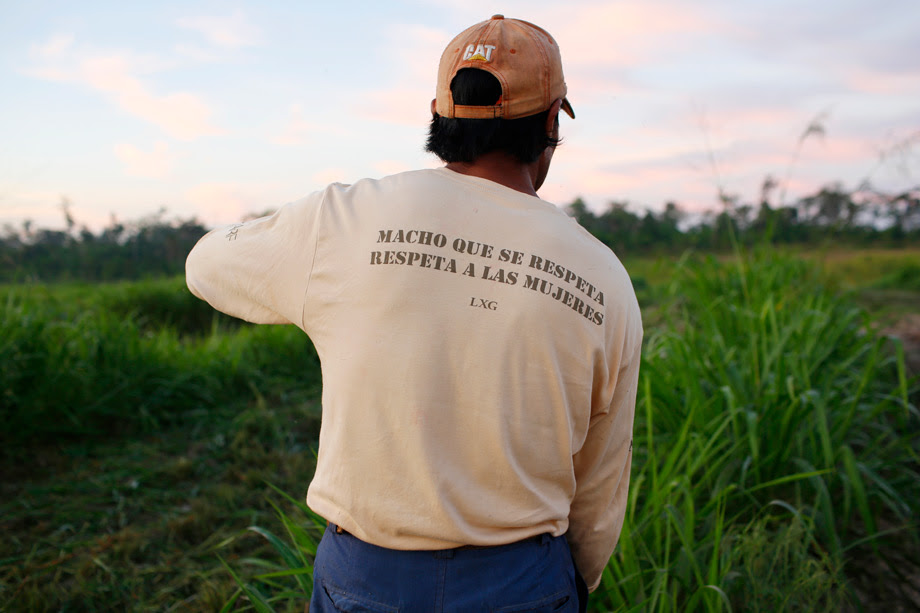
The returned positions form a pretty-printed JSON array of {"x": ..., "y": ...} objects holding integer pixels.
[
  {"x": 551, "y": 117},
  {"x": 434, "y": 105}
]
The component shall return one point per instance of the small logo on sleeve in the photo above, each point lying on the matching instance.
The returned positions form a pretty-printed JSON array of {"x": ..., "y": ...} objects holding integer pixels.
[{"x": 233, "y": 231}]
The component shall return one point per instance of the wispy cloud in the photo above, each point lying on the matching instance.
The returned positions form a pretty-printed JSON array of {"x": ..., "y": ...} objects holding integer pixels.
[
  {"x": 884, "y": 83},
  {"x": 182, "y": 115},
  {"x": 297, "y": 130},
  {"x": 156, "y": 164},
  {"x": 626, "y": 33},
  {"x": 329, "y": 175},
  {"x": 390, "y": 167},
  {"x": 198, "y": 54},
  {"x": 230, "y": 31},
  {"x": 412, "y": 53},
  {"x": 55, "y": 46},
  {"x": 229, "y": 202},
  {"x": 404, "y": 106}
]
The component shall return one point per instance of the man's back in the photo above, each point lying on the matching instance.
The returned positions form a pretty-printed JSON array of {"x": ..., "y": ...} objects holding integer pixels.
[{"x": 469, "y": 334}]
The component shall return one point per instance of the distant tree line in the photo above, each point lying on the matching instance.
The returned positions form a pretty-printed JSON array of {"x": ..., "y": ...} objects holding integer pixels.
[
  {"x": 155, "y": 247},
  {"x": 150, "y": 247},
  {"x": 831, "y": 216}
]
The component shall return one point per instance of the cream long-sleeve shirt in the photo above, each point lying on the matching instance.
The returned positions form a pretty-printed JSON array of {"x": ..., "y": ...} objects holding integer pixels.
[{"x": 480, "y": 357}]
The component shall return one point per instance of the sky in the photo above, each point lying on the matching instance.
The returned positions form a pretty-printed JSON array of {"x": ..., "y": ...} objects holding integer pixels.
[{"x": 219, "y": 110}]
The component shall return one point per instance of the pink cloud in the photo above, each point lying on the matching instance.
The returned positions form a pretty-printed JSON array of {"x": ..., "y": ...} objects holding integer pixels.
[
  {"x": 405, "y": 106},
  {"x": 414, "y": 52},
  {"x": 43, "y": 209},
  {"x": 883, "y": 83},
  {"x": 297, "y": 130},
  {"x": 624, "y": 33},
  {"x": 156, "y": 164},
  {"x": 182, "y": 115},
  {"x": 54, "y": 47},
  {"x": 234, "y": 30},
  {"x": 390, "y": 167},
  {"x": 839, "y": 149},
  {"x": 657, "y": 170},
  {"x": 225, "y": 203},
  {"x": 733, "y": 119},
  {"x": 329, "y": 175}
]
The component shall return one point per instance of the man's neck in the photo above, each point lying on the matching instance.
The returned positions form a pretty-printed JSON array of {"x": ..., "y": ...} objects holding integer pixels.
[{"x": 501, "y": 169}]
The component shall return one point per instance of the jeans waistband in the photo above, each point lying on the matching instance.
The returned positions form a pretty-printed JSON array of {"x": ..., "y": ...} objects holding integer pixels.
[{"x": 541, "y": 539}]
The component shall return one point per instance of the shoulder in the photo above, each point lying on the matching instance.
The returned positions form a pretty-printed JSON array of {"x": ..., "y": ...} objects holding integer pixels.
[{"x": 400, "y": 179}]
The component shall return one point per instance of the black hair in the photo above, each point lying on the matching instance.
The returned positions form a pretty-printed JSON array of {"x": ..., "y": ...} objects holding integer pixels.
[{"x": 464, "y": 140}]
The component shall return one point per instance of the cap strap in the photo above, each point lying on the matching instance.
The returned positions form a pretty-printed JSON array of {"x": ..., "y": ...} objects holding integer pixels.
[{"x": 467, "y": 111}]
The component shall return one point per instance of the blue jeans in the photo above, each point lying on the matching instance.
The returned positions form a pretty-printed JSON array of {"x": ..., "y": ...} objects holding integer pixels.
[{"x": 535, "y": 575}]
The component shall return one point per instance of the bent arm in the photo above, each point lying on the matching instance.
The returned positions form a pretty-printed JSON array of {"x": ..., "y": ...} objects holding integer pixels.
[{"x": 258, "y": 270}]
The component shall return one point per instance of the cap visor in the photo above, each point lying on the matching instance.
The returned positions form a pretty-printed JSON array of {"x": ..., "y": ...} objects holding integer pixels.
[{"x": 567, "y": 107}]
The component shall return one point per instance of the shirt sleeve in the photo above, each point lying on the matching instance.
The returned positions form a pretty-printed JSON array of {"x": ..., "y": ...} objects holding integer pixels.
[
  {"x": 602, "y": 473},
  {"x": 259, "y": 270}
]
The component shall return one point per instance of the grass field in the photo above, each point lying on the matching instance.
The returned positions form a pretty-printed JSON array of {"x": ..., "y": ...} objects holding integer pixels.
[{"x": 154, "y": 453}]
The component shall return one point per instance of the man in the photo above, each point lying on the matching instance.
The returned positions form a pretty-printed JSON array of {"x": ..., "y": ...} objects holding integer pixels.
[{"x": 480, "y": 353}]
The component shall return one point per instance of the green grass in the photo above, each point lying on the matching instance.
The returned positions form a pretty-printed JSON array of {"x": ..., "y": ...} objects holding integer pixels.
[
  {"x": 140, "y": 432},
  {"x": 139, "y": 523},
  {"x": 885, "y": 281},
  {"x": 761, "y": 393},
  {"x": 77, "y": 366},
  {"x": 776, "y": 448},
  {"x": 866, "y": 267}
]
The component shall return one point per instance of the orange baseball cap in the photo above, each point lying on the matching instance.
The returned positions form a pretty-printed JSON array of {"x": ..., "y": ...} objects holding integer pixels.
[{"x": 523, "y": 57}]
